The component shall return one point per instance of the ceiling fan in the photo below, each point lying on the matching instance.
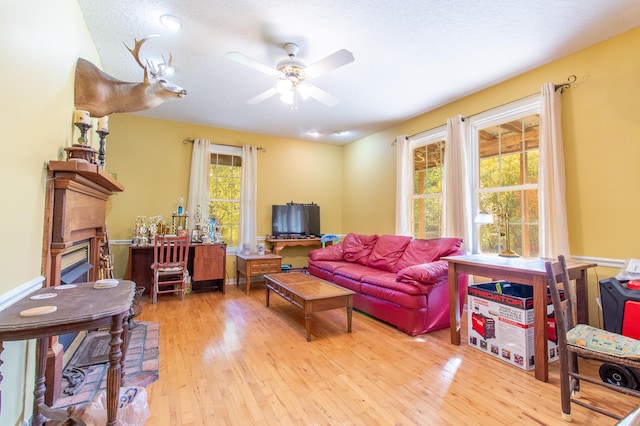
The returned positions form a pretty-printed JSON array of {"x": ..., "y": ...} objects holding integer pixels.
[{"x": 293, "y": 75}]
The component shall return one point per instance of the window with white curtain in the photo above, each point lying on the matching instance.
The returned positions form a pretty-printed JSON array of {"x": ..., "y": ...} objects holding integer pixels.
[
  {"x": 224, "y": 191},
  {"x": 427, "y": 152},
  {"x": 505, "y": 147}
]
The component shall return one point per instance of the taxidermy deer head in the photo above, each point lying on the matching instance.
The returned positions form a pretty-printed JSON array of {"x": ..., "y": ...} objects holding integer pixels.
[{"x": 101, "y": 94}]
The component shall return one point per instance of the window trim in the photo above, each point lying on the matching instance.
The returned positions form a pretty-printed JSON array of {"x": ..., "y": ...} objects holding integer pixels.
[
  {"x": 425, "y": 138},
  {"x": 507, "y": 112},
  {"x": 227, "y": 150}
]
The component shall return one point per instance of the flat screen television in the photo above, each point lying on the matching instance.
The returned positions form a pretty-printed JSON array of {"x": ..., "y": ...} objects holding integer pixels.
[{"x": 295, "y": 220}]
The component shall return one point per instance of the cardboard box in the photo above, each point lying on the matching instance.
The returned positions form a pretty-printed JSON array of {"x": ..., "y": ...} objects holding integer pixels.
[{"x": 501, "y": 322}]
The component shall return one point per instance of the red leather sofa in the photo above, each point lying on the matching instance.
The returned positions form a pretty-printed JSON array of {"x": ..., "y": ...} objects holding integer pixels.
[{"x": 397, "y": 279}]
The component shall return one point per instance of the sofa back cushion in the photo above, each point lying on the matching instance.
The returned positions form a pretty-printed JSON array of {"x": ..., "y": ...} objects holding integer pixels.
[
  {"x": 387, "y": 252},
  {"x": 357, "y": 248},
  {"x": 424, "y": 251}
]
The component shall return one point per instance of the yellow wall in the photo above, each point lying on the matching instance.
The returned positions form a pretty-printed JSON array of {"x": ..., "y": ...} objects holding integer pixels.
[
  {"x": 602, "y": 152},
  {"x": 149, "y": 158},
  {"x": 40, "y": 42}
]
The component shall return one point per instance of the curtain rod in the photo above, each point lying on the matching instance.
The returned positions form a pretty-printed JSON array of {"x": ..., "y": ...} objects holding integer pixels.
[
  {"x": 560, "y": 86},
  {"x": 259, "y": 148}
]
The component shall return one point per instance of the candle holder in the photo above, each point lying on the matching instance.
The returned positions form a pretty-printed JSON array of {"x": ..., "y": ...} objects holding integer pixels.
[
  {"x": 84, "y": 127},
  {"x": 81, "y": 151},
  {"x": 101, "y": 151}
]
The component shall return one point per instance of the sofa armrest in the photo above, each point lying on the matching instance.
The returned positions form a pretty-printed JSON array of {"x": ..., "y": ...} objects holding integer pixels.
[
  {"x": 425, "y": 273},
  {"x": 332, "y": 252}
]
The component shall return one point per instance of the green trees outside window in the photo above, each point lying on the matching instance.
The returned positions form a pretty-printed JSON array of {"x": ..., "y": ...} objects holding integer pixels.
[{"x": 224, "y": 193}]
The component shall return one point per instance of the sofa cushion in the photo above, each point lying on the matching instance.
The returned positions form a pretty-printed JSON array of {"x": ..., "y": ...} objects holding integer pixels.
[
  {"x": 424, "y": 251},
  {"x": 395, "y": 296},
  {"x": 425, "y": 273},
  {"x": 327, "y": 265},
  {"x": 387, "y": 252},
  {"x": 388, "y": 280},
  {"x": 352, "y": 271},
  {"x": 332, "y": 252},
  {"x": 357, "y": 248}
]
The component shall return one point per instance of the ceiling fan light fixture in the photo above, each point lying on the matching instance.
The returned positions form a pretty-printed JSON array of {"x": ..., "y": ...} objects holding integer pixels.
[
  {"x": 304, "y": 91},
  {"x": 284, "y": 86},
  {"x": 287, "y": 98},
  {"x": 171, "y": 22}
]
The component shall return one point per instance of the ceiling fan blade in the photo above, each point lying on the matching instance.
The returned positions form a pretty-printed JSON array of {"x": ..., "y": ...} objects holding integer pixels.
[
  {"x": 245, "y": 60},
  {"x": 263, "y": 96},
  {"x": 331, "y": 62},
  {"x": 320, "y": 95}
]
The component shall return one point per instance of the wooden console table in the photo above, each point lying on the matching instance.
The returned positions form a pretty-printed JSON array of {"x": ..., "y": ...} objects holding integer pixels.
[
  {"x": 207, "y": 262},
  {"x": 277, "y": 244},
  {"x": 78, "y": 308},
  {"x": 522, "y": 270}
]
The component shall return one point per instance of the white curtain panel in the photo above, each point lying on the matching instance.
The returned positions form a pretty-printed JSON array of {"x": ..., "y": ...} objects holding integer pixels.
[
  {"x": 454, "y": 204},
  {"x": 404, "y": 170},
  {"x": 248, "y": 193},
  {"x": 199, "y": 182},
  {"x": 554, "y": 236}
]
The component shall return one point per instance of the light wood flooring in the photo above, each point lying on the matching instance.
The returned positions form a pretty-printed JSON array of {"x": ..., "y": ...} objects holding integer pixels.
[{"x": 229, "y": 360}]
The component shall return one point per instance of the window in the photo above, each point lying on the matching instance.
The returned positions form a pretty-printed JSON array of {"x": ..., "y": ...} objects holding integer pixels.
[
  {"x": 224, "y": 191},
  {"x": 426, "y": 196},
  {"x": 506, "y": 143}
]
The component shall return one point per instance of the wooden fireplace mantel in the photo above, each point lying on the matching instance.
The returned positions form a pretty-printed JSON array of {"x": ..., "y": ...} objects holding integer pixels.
[
  {"x": 75, "y": 211},
  {"x": 92, "y": 172}
]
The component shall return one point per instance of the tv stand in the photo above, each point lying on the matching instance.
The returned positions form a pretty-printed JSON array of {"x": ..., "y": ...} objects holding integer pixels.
[{"x": 277, "y": 244}]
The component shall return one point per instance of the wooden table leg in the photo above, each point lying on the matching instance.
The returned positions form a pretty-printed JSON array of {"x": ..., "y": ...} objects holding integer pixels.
[
  {"x": 349, "y": 315},
  {"x": 267, "y": 297},
  {"x": 125, "y": 345},
  {"x": 582, "y": 298},
  {"x": 454, "y": 305},
  {"x": 307, "y": 325},
  {"x": 42, "y": 345},
  {"x": 540, "y": 328},
  {"x": 113, "y": 373}
]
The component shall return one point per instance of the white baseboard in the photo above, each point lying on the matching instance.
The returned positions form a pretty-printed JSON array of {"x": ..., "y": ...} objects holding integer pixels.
[
  {"x": 12, "y": 296},
  {"x": 600, "y": 261}
]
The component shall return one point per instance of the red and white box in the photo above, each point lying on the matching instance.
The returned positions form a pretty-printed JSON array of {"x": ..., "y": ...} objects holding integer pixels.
[{"x": 501, "y": 322}]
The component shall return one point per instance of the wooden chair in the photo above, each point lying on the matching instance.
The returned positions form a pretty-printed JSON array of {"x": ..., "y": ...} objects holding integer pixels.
[
  {"x": 169, "y": 266},
  {"x": 581, "y": 340}
]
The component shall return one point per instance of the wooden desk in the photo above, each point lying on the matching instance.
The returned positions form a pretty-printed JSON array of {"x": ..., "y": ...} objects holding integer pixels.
[
  {"x": 207, "y": 262},
  {"x": 79, "y": 308},
  {"x": 253, "y": 265},
  {"x": 277, "y": 244},
  {"x": 520, "y": 270}
]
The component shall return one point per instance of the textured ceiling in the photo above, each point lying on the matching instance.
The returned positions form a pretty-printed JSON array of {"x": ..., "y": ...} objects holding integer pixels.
[{"x": 410, "y": 56}]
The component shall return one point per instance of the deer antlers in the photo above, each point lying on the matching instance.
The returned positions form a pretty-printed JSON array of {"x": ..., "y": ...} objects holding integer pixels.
[{"x": 158, "y": 72}]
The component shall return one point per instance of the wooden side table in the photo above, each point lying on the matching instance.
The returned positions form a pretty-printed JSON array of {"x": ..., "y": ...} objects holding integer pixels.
[
  {"x": 253, "y": 265},
  {"x": 80, "y": 307},
  {"x": 522, "y": 270}
]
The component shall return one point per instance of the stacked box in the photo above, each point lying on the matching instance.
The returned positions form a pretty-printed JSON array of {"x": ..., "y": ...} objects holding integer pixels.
[{"x": 501, "y": 322}]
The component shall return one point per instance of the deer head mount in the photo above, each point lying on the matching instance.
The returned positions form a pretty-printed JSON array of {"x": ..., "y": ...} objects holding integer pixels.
[{"x": 101, "y": 94}]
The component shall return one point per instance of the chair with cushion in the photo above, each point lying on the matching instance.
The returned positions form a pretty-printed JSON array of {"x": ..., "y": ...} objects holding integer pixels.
[
  {"x": 169, "y": 266},
  {"x": 329, "y": 238},
  {"x": 584, "y": 341}
]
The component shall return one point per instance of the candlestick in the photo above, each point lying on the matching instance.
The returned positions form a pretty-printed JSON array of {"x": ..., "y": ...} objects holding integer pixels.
[
  {"x": 84, "y": 127},
  {"x": 103, "y": 135}
]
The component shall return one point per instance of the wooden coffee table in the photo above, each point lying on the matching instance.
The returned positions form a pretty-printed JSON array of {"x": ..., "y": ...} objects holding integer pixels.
[{"x": 310, "y": 294}]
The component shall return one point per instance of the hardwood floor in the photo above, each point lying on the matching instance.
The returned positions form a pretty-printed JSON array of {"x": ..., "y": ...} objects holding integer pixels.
[{"x": 229, "y": 360}]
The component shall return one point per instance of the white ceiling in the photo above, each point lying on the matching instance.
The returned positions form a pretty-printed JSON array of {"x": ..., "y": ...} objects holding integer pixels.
[{"x": 410, "y": 55}]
